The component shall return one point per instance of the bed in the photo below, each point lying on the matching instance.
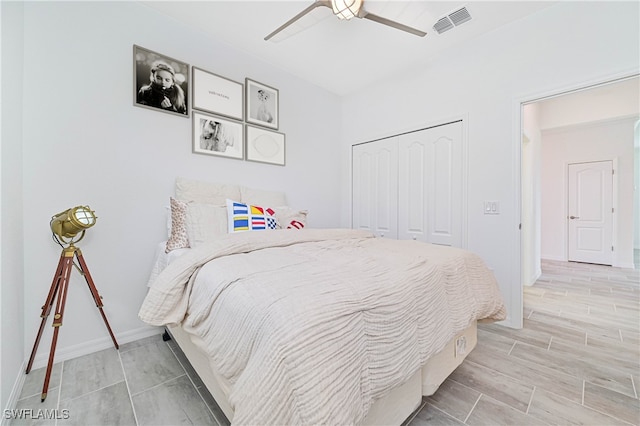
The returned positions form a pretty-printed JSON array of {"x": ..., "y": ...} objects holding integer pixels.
[{"x": 317, "y": 326}]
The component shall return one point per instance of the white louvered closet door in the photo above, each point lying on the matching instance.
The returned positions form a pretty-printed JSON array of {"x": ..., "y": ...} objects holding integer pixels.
[
  {"x": 430, "y": 185},
  {"x": 375, "y": 187}
]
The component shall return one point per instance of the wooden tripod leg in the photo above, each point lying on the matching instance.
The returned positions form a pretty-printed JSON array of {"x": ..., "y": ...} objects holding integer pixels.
[
  {"x": 57, "y": 318},
  {"x": 94, "y": 292},
  {"x": 46, "y": 309}
]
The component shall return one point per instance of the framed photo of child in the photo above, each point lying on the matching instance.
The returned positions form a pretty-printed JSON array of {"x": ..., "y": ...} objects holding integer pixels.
[
  {"x": 262, "y": 104},
  {"x": 160, "y": 82},
  {"x": 214, "y": 135}
]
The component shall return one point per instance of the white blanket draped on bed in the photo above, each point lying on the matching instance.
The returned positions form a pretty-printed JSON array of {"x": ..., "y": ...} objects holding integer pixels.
[{"x": 312, "y": 326}]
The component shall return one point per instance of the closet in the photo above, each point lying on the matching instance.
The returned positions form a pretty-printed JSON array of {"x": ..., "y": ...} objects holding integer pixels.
[{"x": 410, "y": 186}]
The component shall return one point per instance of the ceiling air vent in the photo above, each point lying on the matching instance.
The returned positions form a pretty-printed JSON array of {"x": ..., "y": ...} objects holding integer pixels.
[
  {"x": 460, "y": 16},
  {"x": 443, "y": 25},
  {"x": 456, "y": 18}
]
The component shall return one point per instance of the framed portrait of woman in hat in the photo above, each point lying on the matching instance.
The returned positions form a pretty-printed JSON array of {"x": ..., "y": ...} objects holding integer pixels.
[{"x": 160, "y": 82}]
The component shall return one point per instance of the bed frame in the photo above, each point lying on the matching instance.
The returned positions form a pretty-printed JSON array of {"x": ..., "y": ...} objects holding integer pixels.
[{"x": 392, "y": 409}]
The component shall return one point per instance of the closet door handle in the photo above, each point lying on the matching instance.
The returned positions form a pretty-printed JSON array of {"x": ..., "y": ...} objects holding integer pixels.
[{"x": 574, "y": 217}]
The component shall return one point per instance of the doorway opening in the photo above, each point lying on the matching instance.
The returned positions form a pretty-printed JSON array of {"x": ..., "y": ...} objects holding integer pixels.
[{"x": 587, "y": 125}]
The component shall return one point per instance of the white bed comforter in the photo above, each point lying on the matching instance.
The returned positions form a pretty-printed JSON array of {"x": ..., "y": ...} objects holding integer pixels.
[{"x": 312, "y": 326}]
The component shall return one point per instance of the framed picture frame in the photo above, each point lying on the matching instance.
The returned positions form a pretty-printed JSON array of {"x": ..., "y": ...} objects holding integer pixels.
[
  {"x": 160, "y": 82},
  {"x": 217, "y": 95},
  {"x": 262, "y": 104},
  {"x": 265, "y": 146},
  {"x": 213, "y": 135}
]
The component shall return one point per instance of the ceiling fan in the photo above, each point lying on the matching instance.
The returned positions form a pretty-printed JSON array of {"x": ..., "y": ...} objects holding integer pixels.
[{"x": 347, "y": 9}]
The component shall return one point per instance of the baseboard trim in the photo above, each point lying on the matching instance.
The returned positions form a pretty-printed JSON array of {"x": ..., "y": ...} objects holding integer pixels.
[
  {"x": 15, "y": 392},
  {"x": 625, "y": 265},
  {"x": 533, "y": 278},
  {"x": 91, "y": 346},
  {"x": 556, "y": 258}
]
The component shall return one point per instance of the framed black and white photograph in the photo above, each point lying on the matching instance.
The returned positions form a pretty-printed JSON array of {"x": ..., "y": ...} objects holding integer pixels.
[
  {"x": 217, "y": 95},
  {"x": 265, "y": 146},
  {"x": 161, "y": 82},
  {"x": 217, "y": 136},
  {"x": 262, "y": 104}
]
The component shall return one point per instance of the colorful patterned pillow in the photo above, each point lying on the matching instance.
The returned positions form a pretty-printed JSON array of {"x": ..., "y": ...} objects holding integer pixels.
[
  {"x": 295, "y": 224},
  {"x": 246, "y": 217}
]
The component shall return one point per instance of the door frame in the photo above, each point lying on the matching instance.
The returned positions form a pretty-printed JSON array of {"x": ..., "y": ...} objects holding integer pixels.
[
  {"x": 614, "y": 202},
  {"x": 516, "y": 304}
]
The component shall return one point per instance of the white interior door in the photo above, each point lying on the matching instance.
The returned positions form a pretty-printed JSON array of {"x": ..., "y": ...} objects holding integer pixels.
[
  {"x": 430, "y": 185},
  {"x": 375, "y": 187},
  {"x": 590, "y": 215}
]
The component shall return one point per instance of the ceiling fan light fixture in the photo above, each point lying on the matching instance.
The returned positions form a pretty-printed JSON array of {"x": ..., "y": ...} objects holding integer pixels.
[{"x": 346, "y": 9}]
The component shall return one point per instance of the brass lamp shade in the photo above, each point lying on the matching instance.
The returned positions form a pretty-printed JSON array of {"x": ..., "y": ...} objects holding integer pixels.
[{"x": 72, "y": 221}]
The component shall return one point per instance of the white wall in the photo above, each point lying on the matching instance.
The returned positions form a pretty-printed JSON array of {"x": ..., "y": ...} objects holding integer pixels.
[
  {"x": 11, "y": 244},
  {"x": 85, "y": 143},
  {"x": 553, "y": 49},
  {"x": 636, "y": 186},
  {"x": 530, "y": 213},
  {"x": 582, "y": 143}
]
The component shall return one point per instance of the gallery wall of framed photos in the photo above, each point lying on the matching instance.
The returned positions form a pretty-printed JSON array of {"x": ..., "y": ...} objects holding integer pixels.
[{"x": 229, "y": 119}]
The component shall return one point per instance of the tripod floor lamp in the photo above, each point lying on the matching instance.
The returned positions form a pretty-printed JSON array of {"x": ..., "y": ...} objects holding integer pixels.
[{"x": 65, "y": 227}]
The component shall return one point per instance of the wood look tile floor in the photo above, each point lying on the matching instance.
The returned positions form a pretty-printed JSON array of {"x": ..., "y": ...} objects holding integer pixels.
[{"x": 576, "y": 361}]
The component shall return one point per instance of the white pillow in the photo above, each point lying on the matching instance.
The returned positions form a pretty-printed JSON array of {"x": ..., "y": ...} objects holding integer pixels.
[
  {"x": 289, "y": 218},
  {"x": 205, "y": 192},
  {"x": 260, "y": 197},
  {"x": 205, "y": 223}
]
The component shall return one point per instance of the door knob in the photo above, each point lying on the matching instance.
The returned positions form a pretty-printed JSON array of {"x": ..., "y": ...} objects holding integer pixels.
[{"x": 574, "y": 217}]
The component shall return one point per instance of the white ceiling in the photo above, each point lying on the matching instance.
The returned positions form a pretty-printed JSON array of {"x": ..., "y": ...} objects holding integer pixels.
[{"x": 342, "y": 56}]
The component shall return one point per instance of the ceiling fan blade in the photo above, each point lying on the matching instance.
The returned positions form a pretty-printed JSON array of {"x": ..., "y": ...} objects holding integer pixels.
[
  {"x": 394, "y": 24},
  {"x": 298, "y": 16}
]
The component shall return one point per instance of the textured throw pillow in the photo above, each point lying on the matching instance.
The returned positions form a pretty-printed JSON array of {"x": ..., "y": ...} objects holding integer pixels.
[
  {"x": 247, "y": 217},
  {"x": 179, "y": 237},
  {"x": 205, "y": 223},
  {"x": 289, "y": 218}
]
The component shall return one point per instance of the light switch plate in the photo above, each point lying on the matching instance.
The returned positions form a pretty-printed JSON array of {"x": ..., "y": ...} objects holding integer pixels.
[{"x": 491, "y": 207}]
